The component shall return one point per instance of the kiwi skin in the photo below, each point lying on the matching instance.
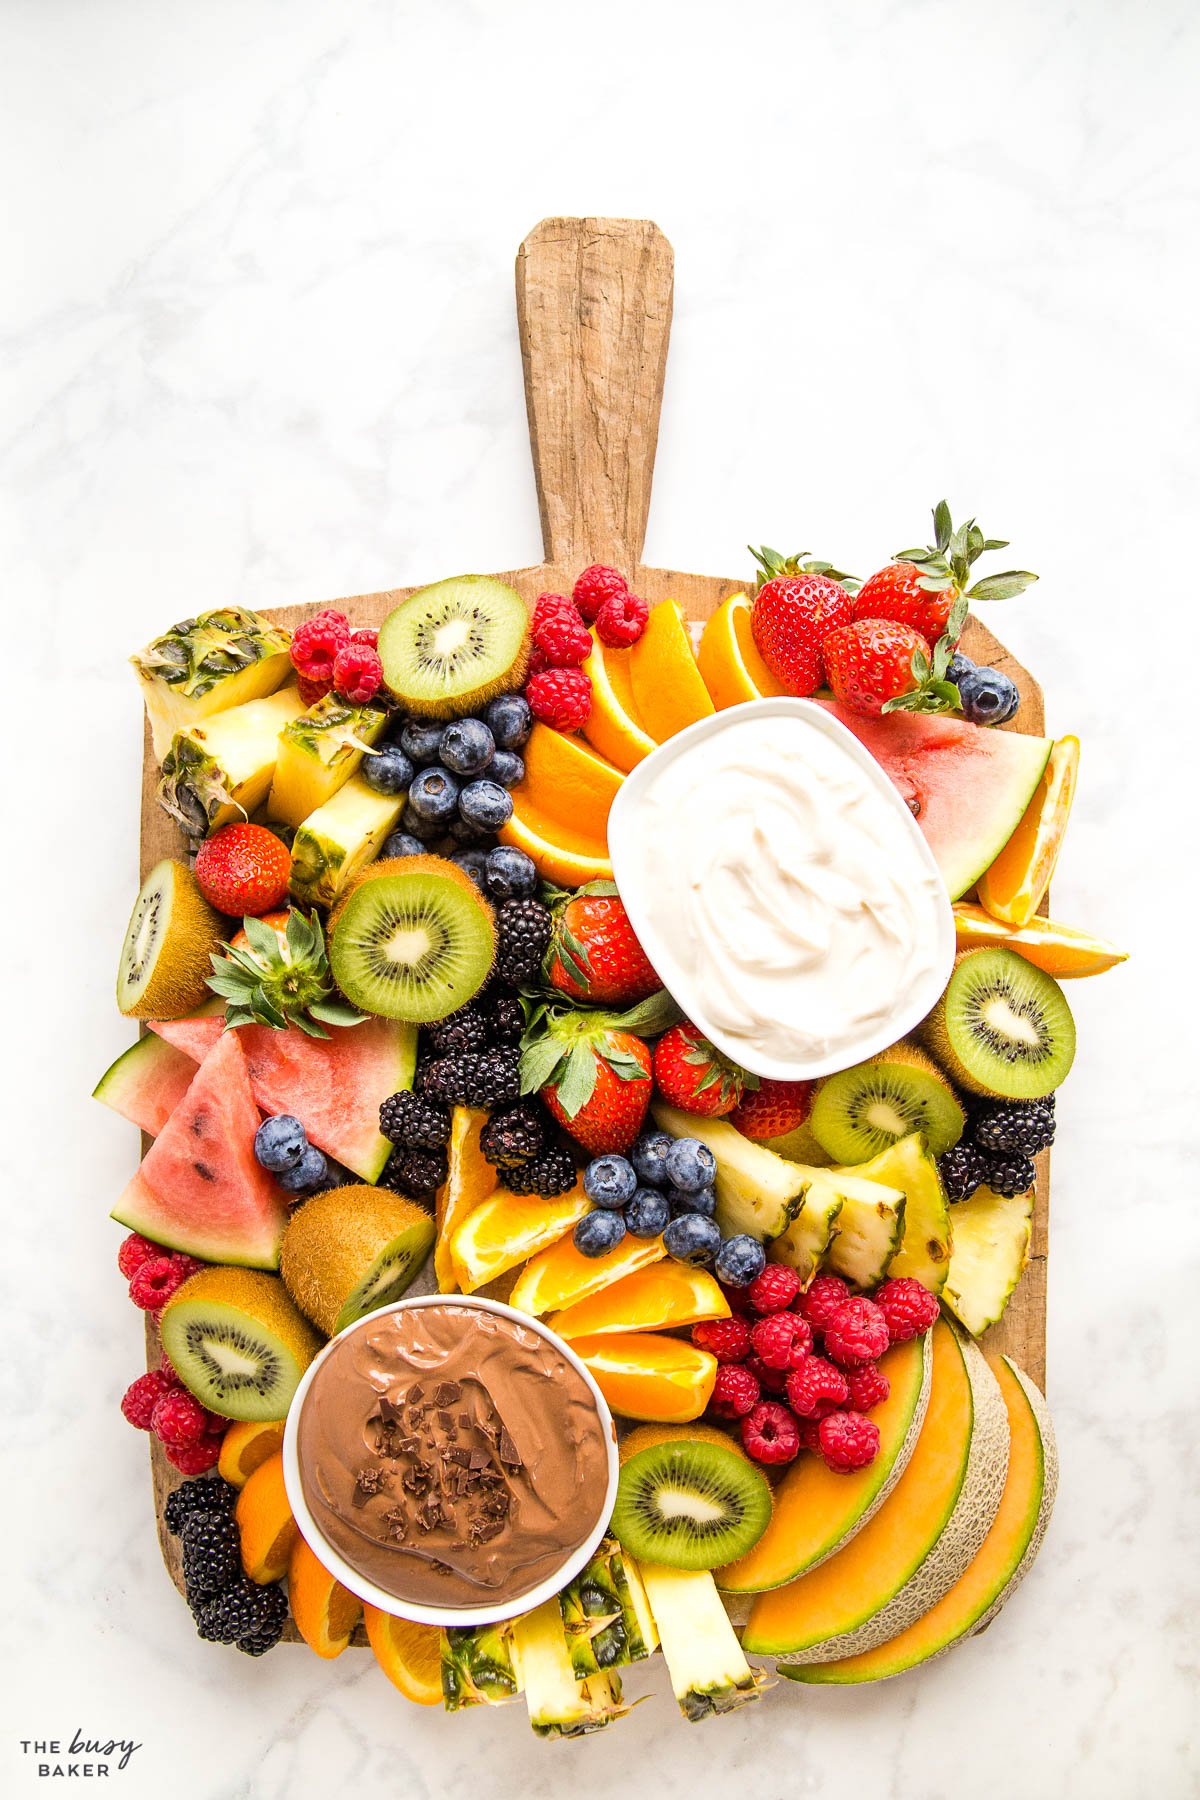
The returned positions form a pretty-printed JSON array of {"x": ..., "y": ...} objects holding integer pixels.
[
  {"x": 415, "y": 865},
  {"x": 935, "y": 1035},
  {"x": 178, "y": 982},
  {"x": 333, "y": 1242},
  {"x": 459, "y": 701},
  {"x": 263, "y": 1301}
]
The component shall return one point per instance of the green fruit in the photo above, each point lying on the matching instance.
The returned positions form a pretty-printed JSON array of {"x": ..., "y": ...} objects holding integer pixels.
[
  {"x": 412, "y": 939},
  {"x": 866, "y": 1109},
  {"x": 237, "y": 1343},
  {"x": 1002, "y": 1027},
  {"x": 164, "y": 965},
  {"x": 450, "y": 647},
  {"x": 351, "y": 1250},
  {"x": 690, "y": 1504}
]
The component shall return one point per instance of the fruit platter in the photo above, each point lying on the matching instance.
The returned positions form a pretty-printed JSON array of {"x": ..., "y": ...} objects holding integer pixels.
[{"x": 599, "y": 1037}]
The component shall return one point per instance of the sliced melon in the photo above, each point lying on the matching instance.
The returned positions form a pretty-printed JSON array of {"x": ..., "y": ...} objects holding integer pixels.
[
  {"x": 869, "y": 1228},
  {"x": 757, "y": 1191},
  {"x": 991, "y": 1248},
  {"x": 804, "y": 1244},
  {"x": 922, "y": 1538},
  {"x": 924, "y": 1252},
  {"x": 818, "y": 1511},
  {"x": 146, "y": 1083},
  {"x": 1007, "y": 1552}
]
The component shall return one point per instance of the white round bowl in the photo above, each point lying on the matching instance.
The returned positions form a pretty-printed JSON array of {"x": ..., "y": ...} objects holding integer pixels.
[{"x": 349, "y": 1576}]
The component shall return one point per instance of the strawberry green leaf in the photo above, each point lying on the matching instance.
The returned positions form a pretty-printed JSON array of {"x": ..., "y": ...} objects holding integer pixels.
[
  {"x": 1001, "y": 587},
  {"x": 578, "y": 1083},
  {"x": 540, "y": 1061},
  {"x": 649, "y": 1018},
  {"x": 942, "y": 526}
]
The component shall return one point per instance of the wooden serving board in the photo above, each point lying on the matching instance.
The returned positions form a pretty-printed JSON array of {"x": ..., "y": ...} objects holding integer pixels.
[{"x": 594, "y": 315}]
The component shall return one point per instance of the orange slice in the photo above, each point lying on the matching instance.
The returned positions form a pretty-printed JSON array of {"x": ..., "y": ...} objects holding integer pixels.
[
  {"x": 325, "y": 1612},
  {"x": 668, "y": 690},
  {"x": 507, "y": 1230},
  {"x": 1058, "y": 949},
  {"x": 1012, "y": 888},
  {"x": 729, "y": 660},
  {"x": 471, "y": 1180},
  {"x": 562, "y": 1275},
  {"x": 568, "y": 782},
  {"x": 613, "y": 726},
  {"x": 651, "y": 1299},
  {"x": 265, "y": 1523},
  {"x": 246, "y": 1446},
  {"x": 409, "y": 1655},
  {"x": 647, "y": 1377},
  {"x": 567, "y": 854}
]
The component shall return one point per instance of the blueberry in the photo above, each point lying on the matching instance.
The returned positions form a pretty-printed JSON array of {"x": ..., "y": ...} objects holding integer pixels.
[
  {"x": 463, "y": 832},
  {"x": 649, "y": 1157},
  {"x": 308, "y": 1173},
  {"x": 507, "y": 768},
  {"x": 474, "y": 862},
  {"x": 690, "y": 1164},
  {"x": 280, "y": 1143},
  {"x": 598, "y": 1232},
  {"x": 509, "y": 720},
  {"x": 702, "y": 1200},
  {"x": 691, "y": 1239},
  {"x": 389, "y": 771},
  {"x": 609, "y": 1181},
  {"x": 511, "y": 875},
  {"x": 434, "y": 795},
  {"x": 740, "y": 1260},
  {"x": 485, "y": 804},
  {"x": 959, "y": 667},
  {"x": 988, "y": 697},
  {"x": 467, "y": 746},
  {"x": 647, "y": 1214},
  {"x": 402, "y": 843},
  {"x": 421, "y": 740},
  {"x": 416, "y": 826}
]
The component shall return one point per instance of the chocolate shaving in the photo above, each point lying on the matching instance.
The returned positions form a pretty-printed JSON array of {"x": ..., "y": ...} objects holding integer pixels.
[
  {"x": 446, "y": 1393},
  {"x": 480, "y": 1459},
  {"x": 416, "y": 1392},
  {"x": 508, "y": 1452},
  {"x": 370, "y": 1481}
]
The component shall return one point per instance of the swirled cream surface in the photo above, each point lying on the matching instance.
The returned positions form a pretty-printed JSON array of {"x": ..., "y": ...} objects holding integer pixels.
[{"x": 787, "y": 902}]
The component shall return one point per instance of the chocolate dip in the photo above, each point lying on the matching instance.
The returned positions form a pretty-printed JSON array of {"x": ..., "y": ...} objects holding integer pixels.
[{"x": 452, "y": 1456}]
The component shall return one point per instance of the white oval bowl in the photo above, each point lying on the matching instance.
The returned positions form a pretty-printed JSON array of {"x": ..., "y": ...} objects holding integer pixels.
[{"x": 349, "y": 1576}]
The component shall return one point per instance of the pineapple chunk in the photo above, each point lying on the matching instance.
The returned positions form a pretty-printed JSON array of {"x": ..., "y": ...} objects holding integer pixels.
[
  {"x": 559, "y": 1704},
  {"x": 339, "y": 839},
  {"x": 805, "y": 1242},
  {"x": 221, "y": 769},
  {"x": 757, "y": 1191},
  {"x": 318, "y": 753},
  {"x": 708, "y": 1667},
  {"x": 477, "y": 1666},
  {"x": 870, "y": 1226},
  {"x": 988, "y": 1254},
  {"x": 924, "y": 1252},
  {"x": 206, "y": 666},
  {"x": 599, "y": 1615}
]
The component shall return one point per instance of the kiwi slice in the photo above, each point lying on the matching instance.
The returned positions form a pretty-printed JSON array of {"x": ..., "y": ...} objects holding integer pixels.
[
  {"x": 690, "y": 1503},
  {"x": 237, "y": 1342},
  {"x": 1002, "y": 1027},
  {"x": 412, "y": 939},
  {"x": 449, "y": 647},
  {"x": 172, "y": 931},
  {"x": 866, "y": 1109},
  {"x": 350, "y": 1250}
]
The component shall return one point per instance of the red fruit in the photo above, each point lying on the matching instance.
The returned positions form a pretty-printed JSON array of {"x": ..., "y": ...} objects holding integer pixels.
[
  {"x": 243, "y": 869},
  {"x": 142, "y": 1396},
  {"x": 134, "y": 1251},
  {"x": 611, "y": 1115},
  {"x": 559, "y": 633},
  {"x": 871, "y": 662},
  {"x": 692, "y": 1074},
  {"x": 790, "y": 619},
  {"x": 538, "y": 661},
  {"x": 621, "y": 620},
  {"x": 154, "y": 1283},
  {"x": 358, "y": 673},
  {"x": 315, "y": 645},
  {"x": 816, "y": 1388},
  {"x": 560, "y": 697},
  {"x": 188, "y": 1265},
  {"x": 726, "y": 1339},
  {"x": 179, "y": 1420},
  {"x": 312, "y": 691},
  {"x": 857, "y": 1333},
  {"x": 847, "y": 1441},
  {"x": 781, "y": 1340},
  {"x": 770, "y": 1433},
  {"x": 810, "y": 1435},
  {"x": 772, "y": 1108},
  {"x": 594, "y": 587},
  {"x": 896, "y": 593},
  {"x": 365, "y": 637},
  {"x": 735, "y": 1391},
  {"x": 594, "y": 954},
  {"x": 867, "y": 1386},
  {"x": 908, "y": 1308},
  {"x": 772, "y": 1381},
  {"x": 166, "y": 1369},
  {"x": 774, "y": 1289},
  {"x": 822, "y": 1300},
  {"x": 196, "y": 1458}
]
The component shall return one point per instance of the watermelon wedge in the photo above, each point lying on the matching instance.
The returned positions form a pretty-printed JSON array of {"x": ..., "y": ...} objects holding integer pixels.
[
  {"x": 333, "y": 1085},
  {"x": 967, "y": 786},
  {"x": 200, "y": 1188},
  {"x": 146, "y": 1083}
]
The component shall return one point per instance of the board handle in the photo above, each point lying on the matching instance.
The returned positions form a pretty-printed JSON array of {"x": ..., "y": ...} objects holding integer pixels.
[{"x": 594, "y": 311}]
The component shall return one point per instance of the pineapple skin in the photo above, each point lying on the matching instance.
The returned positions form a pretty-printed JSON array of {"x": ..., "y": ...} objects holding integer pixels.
[
  {"x": 559, "y": 1704},
  {"x": 220, "y": 770},
  {"x": 598, "y": 1615},
  {"x": 207, "y": 665},
  {"x": 339, "y": 839},
  {"x": 477, "y": 1666},
  {"x": 318, "y": 753}
]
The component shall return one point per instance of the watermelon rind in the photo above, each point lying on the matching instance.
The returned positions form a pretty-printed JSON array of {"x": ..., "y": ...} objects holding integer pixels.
[{"x": 146, "y": 1083}]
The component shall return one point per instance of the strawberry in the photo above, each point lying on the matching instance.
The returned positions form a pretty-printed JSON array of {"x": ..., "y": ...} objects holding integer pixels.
[
  {"x": 874, "y": 661},
  {"x": 593, "y": 1069},
  {"x": 898, "y": 593},
  {"x": 594, "y": 954},
  {"x": 692, "y": 1074},
  {"x": 790, "y": 618},
  {"x": 243, "y": 869},
  {"x": 772, "y": 1108}
]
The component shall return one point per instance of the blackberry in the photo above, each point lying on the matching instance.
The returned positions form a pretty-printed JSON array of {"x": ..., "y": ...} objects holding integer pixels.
[
  {"x": 1009, "y": 1175},
  {"x": 464, "y": 1030},
  {"x": 212, "y": 1559},
  {"x": 515, "y": 1135},
  {"x": 495, "y": 1077},
  {"x": 1014, "y": 1127},
  {"x": 551, "y": 1174},
  {"x": 414, "y": 1173},
  {"x": 522, "y": 932},
  {"x": 414, "y": 1122},
  {"x": 245, "y": 1612},
  {"x": 962, "y": 1170},
  {"x": 203, "y": 1494},
  {"x": 505, "y": 1019},
  {"x": 444, "y": 1078}
]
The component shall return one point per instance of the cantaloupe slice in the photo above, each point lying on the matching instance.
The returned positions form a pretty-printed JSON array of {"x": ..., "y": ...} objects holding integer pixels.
[
  {"x": 922, "y": 1538},
  {"x": 817, "y": 1511},
  {"x": 1007, "y": 1553}
]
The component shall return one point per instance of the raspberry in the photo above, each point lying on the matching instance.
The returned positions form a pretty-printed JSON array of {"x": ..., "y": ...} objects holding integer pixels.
[
  {"x": 735, "y": 1391},
  {"x": 726, "y": 1339},
  {"x": 867, "y": 1386},
  {"x": 822, "y": 1300},
  {"x": 908, "y": 1308},
  {"x": 142, "y": 1396},
  {"x": 154, "y": 1283},
  {"x": 816, "y": 1388},
  {"x": 594, "y": 587},
  {"x": 772, "y": 1381},
  {"x": 312, "y": 691},
  {"x": 134, "y": 1251},
  {"x": 857, "y": 1333},
  {"x": 560, "y": 697},
  {"x": 552, "y": 606},
  {"x": 539, "y": 662},
  {"x": 358, "y": 673},
  {"x": 369, "y": 638},
  {"x": 739, "y": 1301},
  {"x": 315, "y": 646},
  {"x": 781, "y": 1339},
  {"x": 774, "y": 1289},
  {"x": 187, "y": 1265},
  {"x": 179, "y": 1420},
  {"x": 195, "y": 1458},
  {"x": 770, "y": 1434},
  {"x": 810, "y": 1435},
  {"x": 561, "y": 635},
  {"x": 166, "y": 1369},
  {"x": 848, "y": 1441},
  {"x": 621, "y": 620}
]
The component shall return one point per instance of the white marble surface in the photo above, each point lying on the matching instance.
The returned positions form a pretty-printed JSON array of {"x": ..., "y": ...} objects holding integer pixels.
[{"x": 259, "y": 345}]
